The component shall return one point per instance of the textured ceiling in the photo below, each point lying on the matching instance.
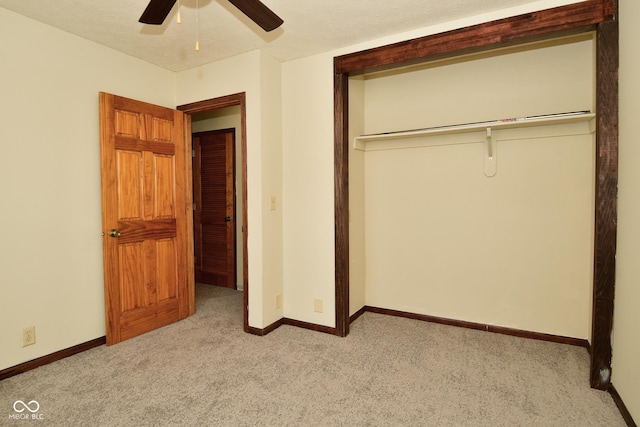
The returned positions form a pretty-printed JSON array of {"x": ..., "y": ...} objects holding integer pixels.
[{"x": 310, "y": 26}]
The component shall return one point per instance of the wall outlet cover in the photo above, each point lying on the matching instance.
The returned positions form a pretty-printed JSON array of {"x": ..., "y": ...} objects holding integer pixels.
[{"x": 28, "y": 336}]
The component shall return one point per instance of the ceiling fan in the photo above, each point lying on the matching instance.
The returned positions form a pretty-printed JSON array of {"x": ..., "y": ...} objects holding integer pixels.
[{"x": 157, "y": 11}]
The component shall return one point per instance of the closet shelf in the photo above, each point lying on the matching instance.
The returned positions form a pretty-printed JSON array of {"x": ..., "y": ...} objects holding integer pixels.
[{"x": 550, "y": 119}]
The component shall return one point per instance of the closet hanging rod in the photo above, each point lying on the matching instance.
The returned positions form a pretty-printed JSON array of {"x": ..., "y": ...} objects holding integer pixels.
[{"x": 503, "y": 123}]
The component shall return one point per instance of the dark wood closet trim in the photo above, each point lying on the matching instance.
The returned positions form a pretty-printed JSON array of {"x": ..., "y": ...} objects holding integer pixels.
[
  {"x": 606, "y": 215},
  {"x": 358, "y": 313},
  {"x": 626, "y": 415},
  {"x": 591, "y": 15},
  {"x": 212, "y": 104},
  {"x": 310, "y": 326},
  {"x": 550, "y": 23},
  {"x": 482, "y": 327},
  {"x": 264, "y": 331},
  {"x": 341, "y": 188},
  {"x": 50, "y": 358},
  {"x": 292, "y": 322}
]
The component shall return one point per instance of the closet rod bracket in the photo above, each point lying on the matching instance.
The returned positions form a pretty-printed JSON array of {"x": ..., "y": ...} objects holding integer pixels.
[{"x": 490, "y": 159}]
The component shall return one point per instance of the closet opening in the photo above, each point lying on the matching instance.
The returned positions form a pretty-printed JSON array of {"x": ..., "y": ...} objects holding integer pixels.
[{"x": 595, "y": 17}]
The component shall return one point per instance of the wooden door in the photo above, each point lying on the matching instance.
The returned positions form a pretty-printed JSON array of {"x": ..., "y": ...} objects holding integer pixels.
[
  {"x": 214, "y": 196},
  {"x": 144, "y": 216}
]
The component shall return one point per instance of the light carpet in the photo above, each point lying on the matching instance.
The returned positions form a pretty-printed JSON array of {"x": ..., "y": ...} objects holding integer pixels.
[{"x": 205, "y": 371}]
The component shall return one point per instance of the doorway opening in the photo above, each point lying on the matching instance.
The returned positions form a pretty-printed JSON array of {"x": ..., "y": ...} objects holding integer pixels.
[
  {"x": 228, "y": 112},
  {"x": 214, "y": 196}
]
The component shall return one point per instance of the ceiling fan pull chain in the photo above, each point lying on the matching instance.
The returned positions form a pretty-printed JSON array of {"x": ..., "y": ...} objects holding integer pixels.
[{"x": 197, "y": 27}]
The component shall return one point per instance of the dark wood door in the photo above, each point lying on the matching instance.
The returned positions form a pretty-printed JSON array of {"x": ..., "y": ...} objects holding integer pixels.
[
  {"x": 214, "y": 216},
  {"x": 144, "y": 216}
]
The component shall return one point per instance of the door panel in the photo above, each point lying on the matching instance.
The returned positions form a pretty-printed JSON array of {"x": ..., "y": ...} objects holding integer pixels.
[
  {"x": 214, "y": 181},
  {"x": 144, "y": 201}
]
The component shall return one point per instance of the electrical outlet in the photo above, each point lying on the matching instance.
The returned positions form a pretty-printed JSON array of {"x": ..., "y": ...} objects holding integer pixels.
[
  {"x": 317, "y": 305},
  {"x": 28, "y": 336},
  {"x": 278, "y": 301},
  {"x": 272, "y": 203}
]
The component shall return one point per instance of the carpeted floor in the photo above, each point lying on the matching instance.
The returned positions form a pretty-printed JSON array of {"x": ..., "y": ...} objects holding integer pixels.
[{"x": 204, "y": 371}]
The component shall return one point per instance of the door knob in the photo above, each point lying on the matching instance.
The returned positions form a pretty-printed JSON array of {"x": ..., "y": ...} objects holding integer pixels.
[
  {"x": 227, "y": 219},
  {"x": 114, "y": 233}
]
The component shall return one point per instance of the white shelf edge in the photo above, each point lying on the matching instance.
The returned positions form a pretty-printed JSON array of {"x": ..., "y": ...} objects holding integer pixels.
[{"x": 473, "y": 127}]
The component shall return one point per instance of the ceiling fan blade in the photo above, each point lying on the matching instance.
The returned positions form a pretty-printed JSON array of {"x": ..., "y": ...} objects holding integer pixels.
[
  {"x": 156, "y": 12},
  {"x": 258, "y": 13}
]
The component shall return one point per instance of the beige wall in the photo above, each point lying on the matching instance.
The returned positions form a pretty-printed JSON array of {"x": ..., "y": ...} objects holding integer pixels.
[
  {"x": 626, "y": 342},
  {"x": 552, "y": 77},
  {"x": 307, "y": 92},
  {"x": 513, "y": 250},
  {"x": 47, "y": 67},
  {"x": 235, "y": 75},
  {"x": 443, "y": 239},
  {"x": 271, "y": 140},
  {"x": 51, "y": 270},
  {"x": 258, "y": 75},
  {"x": 308, "y": 233},
  {"x": 357, "y": 212},
  {"x": 51, "y": 246}
]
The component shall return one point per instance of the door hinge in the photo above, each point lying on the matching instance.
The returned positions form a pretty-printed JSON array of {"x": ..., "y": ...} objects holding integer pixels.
[{"x": 193, "y": 153}]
